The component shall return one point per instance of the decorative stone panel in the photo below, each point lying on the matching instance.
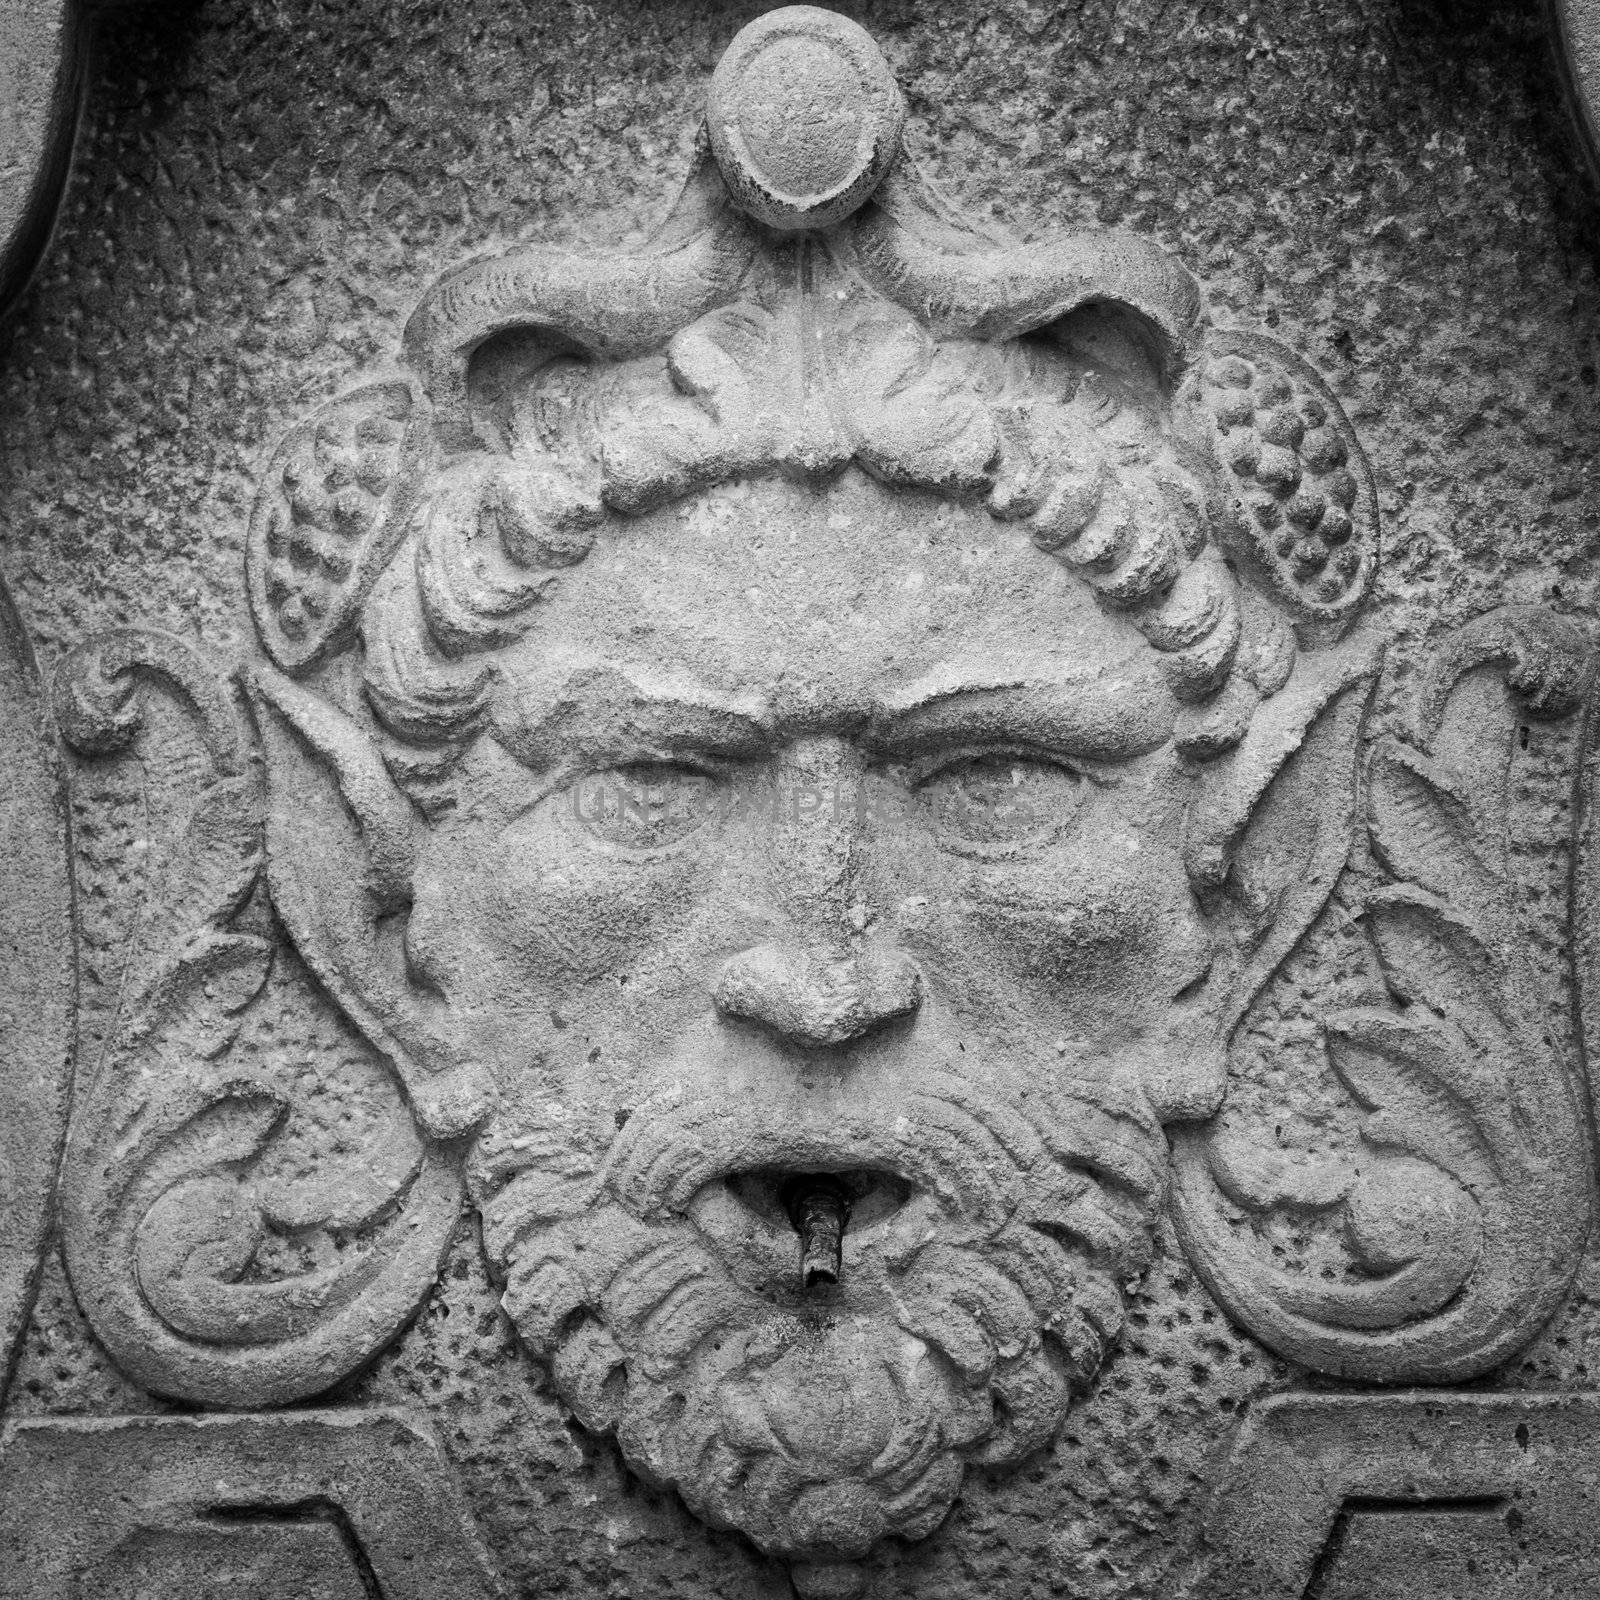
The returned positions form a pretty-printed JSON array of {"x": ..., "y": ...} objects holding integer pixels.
[{"x": 786, "y": 880}]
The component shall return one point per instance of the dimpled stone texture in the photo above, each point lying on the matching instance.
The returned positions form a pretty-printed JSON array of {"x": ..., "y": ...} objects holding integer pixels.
[{"x": 266, "y": 187}]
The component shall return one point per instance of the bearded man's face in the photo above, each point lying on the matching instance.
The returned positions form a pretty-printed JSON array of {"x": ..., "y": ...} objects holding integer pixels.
[{"x": 820, "y": 837}]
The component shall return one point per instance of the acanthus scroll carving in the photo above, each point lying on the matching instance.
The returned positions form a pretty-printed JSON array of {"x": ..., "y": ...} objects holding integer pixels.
[
  {"x": 206, "y": 1263},
  {"x": 1454, "y": 1227}
]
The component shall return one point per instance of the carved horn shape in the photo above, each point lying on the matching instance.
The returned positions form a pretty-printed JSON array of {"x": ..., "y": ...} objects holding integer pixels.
[
  {"x": 924, "y": 256},
  {"x": 608, "y": 306}
]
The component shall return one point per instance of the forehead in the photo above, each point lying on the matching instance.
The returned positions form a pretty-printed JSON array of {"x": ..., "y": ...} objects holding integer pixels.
[{"x": 828, "y": 599}]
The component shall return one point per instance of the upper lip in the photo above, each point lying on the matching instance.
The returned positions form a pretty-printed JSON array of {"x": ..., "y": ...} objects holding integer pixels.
[
  {"x": 872, "y": 1193},
  {"x": 915, "y": 1124}
]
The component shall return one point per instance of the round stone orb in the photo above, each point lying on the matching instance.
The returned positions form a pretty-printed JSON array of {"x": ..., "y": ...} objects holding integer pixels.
[{"x": 805, "y": 117}]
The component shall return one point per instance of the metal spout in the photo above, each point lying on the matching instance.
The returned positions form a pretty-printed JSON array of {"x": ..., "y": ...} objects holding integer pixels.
[{"x": 819, "y": 1209}]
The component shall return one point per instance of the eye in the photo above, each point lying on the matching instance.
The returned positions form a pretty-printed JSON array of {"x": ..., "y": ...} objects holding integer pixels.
[
  {"x": 645, "y": 806},
  {"x": 991, "y": 803}
]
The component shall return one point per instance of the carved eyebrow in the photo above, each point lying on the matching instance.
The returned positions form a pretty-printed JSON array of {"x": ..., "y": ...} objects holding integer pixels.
[
  {"x": 1112, "y": 716},
  {"x": 603, "y": 713}
]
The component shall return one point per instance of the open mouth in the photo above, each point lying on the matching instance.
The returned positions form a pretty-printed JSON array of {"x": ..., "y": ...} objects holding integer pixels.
[{"x": 819, "y": 1207}]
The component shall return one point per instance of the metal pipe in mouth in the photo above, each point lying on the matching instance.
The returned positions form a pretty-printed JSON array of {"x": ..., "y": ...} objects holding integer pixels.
[{"x": 819, "y": 1209}]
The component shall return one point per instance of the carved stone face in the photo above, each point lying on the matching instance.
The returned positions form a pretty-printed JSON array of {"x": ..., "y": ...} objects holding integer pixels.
[
  {"x": 801, "y": 831},
  {"x": 781, "y": 772},
  {"x": 819, "y": 832}
]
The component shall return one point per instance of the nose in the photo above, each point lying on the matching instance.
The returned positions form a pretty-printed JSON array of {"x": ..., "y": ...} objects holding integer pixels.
[
  {"x": 814, "y": 1000},
  {"x": 819, "y": 981}
]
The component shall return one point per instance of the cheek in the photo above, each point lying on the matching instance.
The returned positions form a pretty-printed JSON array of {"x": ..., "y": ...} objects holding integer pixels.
[
  {"x": 537, "y": 913},
  {"x": 560, "y": 965},
  {"x": 1106, "y": 919}
]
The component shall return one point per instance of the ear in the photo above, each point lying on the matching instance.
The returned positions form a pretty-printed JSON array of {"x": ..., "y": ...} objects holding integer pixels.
[
  {"x": 339, "y": 853},
  {"x": 1269, "y": 829}
]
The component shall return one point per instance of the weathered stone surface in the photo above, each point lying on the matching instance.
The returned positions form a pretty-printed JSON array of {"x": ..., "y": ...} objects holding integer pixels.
[
  {"x": 804, "y": 116},
  {"x": 37, "y": 978},
  {"x": 41, "y": 59},
  {"x": 1433, "y": 1494},
  {"x": 323, "y": 1504},
  {"x": 831, "y": 867}
]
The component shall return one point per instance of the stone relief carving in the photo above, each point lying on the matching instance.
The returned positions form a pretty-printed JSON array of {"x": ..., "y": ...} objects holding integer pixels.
[
  {"x": 36, "y": 1005},
  {"x": 42, "y": 49},
  {"x": 1575, "y": 33},
  {"x": 40, "y": 92},
  {"x": 209, "y": 1273},
  {"x": 1465, "y": 1201},
  {"x": 775, "y": 767}
]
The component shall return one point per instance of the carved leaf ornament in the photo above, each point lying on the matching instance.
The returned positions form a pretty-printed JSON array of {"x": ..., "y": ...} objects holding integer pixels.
[
  {"x": 1463, "y": 1214},
  {"x": 810, "y": 305},
  {"x": 165, "y": 1207}
]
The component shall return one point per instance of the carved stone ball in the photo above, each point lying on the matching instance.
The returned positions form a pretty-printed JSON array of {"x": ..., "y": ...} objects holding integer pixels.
[{"x": 805, "y": 118}]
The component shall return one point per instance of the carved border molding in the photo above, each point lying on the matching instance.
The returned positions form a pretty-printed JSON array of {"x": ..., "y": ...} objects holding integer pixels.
[
  {"x": 80, "y": 1496},
  {"x": 43, "y": 48},
  {"x": 1575, "y": 33},
  {"x": 41, "y": 91},
  {"x": 43, "y": 45},
  {"x": 37, "y": 992},
  {"x": 1301, "y": 1463}
]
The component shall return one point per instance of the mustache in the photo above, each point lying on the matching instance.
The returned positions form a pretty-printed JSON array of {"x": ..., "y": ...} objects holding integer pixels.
[
  {"x": 1069, "y": 1170},
  {"x": 985, "y": 1153}
]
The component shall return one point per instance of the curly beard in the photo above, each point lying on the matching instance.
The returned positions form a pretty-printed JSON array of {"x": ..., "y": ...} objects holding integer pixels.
[{"x": 818, "y": 1424}]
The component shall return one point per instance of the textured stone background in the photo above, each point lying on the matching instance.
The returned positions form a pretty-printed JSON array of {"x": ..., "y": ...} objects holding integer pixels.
[{"x": 265, "y": 187}]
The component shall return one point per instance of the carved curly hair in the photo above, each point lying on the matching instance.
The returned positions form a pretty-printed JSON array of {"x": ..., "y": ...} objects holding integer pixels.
[{"x": 1205, "y": 485}]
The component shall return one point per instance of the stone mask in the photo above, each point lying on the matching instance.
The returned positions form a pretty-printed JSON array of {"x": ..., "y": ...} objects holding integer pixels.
[{"x": 797, "y": 745}]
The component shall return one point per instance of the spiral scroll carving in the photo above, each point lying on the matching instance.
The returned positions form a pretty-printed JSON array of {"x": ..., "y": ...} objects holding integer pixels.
[{"x": 225, "y": 1246}]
